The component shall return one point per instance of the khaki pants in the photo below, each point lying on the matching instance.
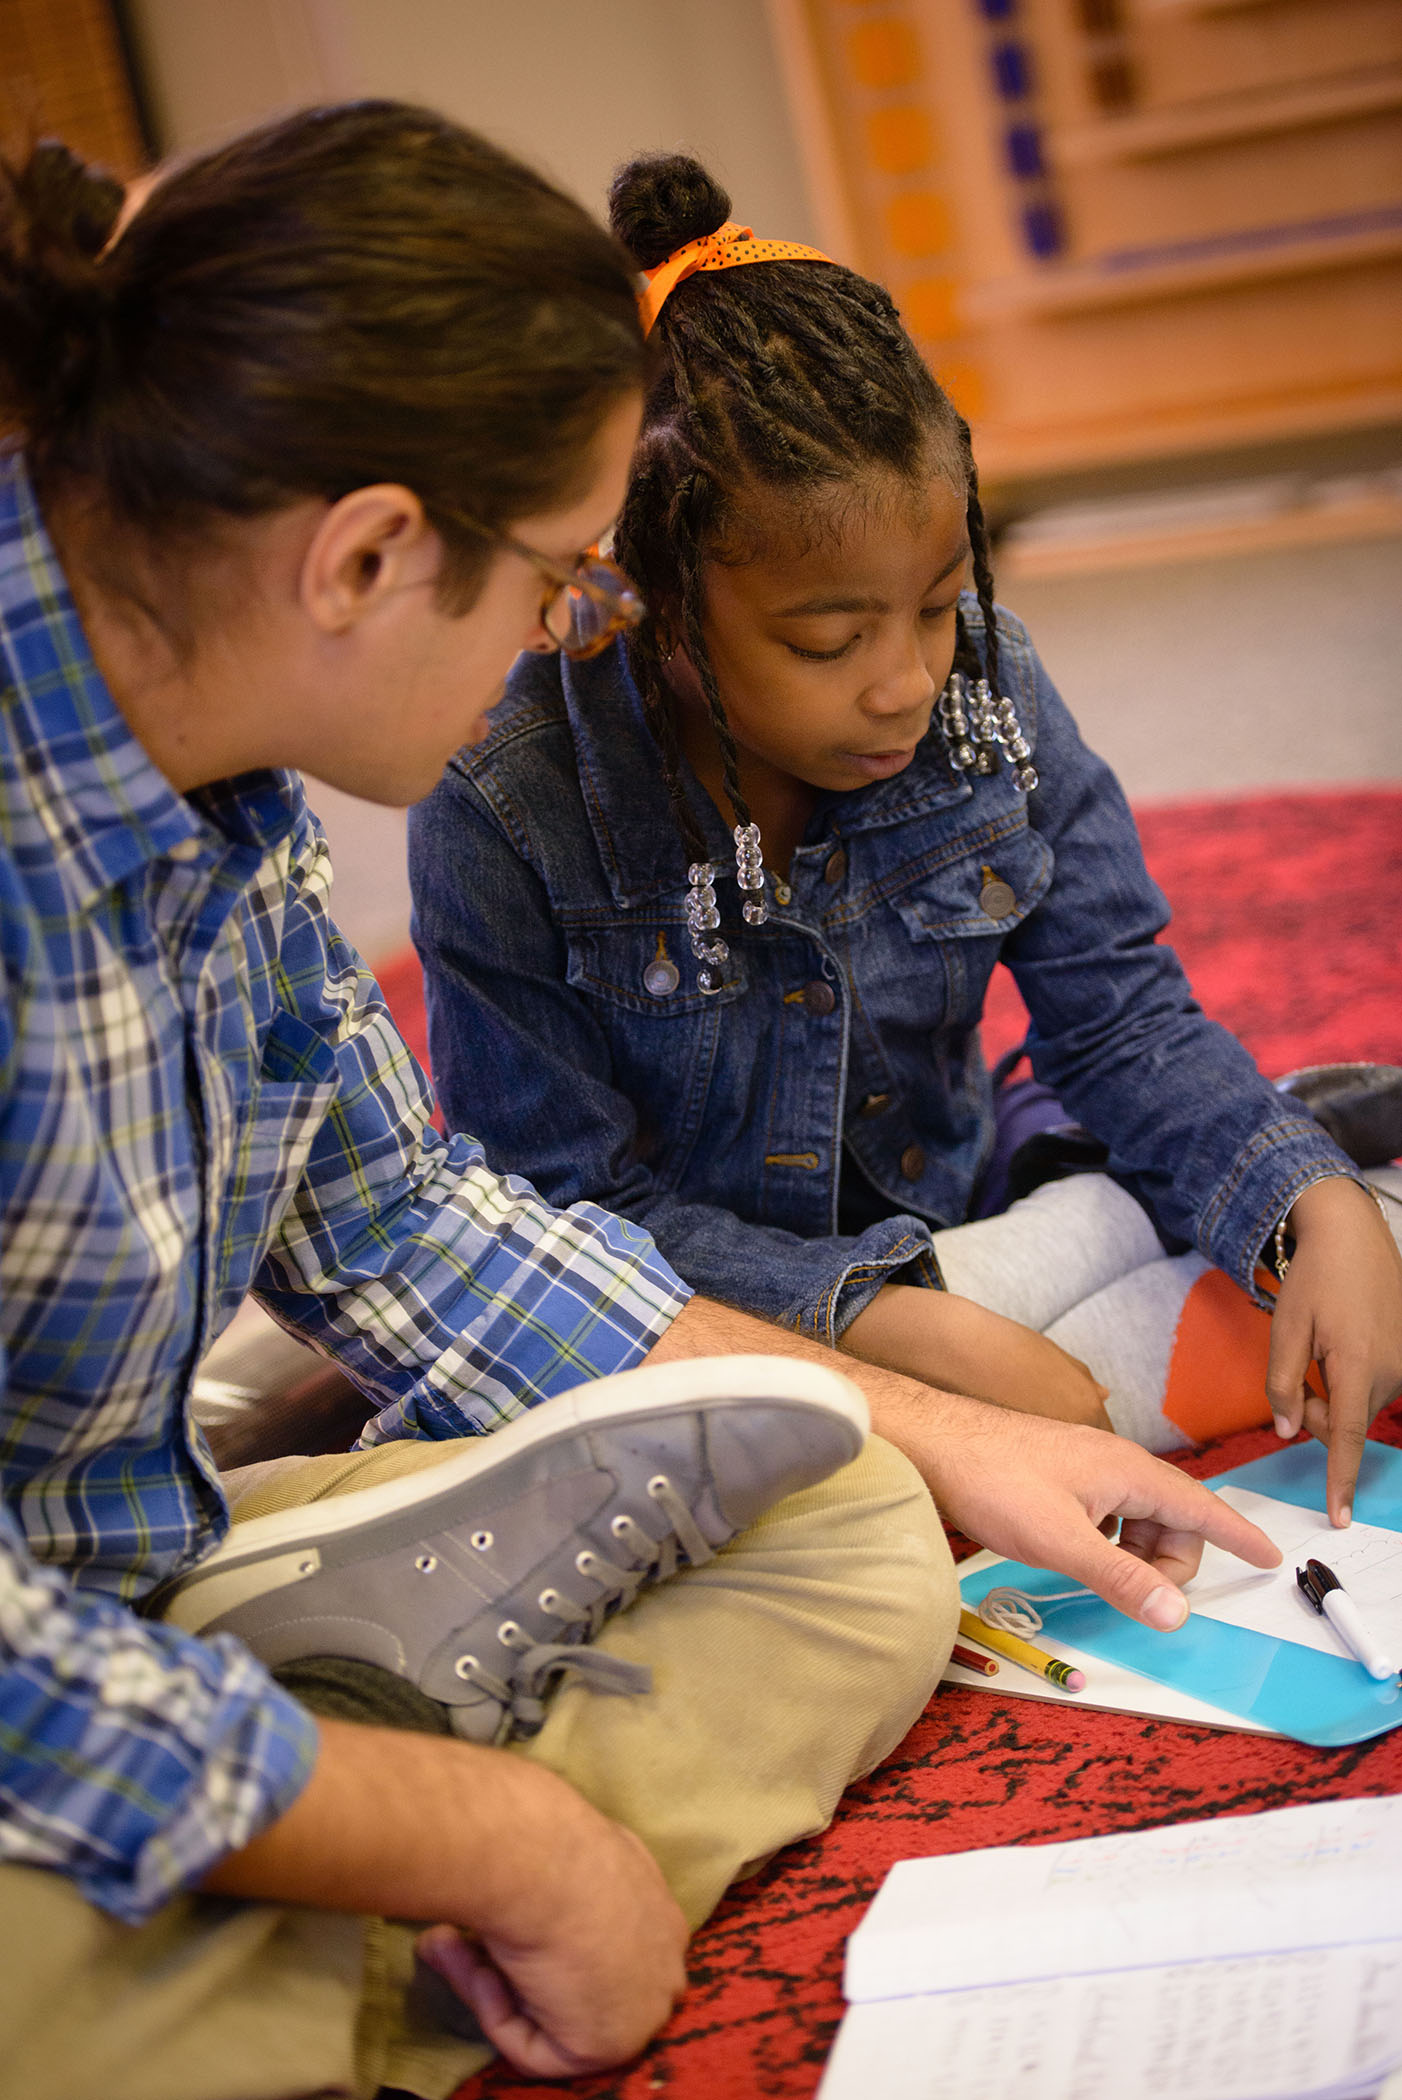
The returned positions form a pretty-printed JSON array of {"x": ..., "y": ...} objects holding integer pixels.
[{"x": 783, "y": 1669}]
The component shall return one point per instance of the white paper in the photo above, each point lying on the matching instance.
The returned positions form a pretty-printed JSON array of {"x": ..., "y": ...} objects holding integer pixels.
[
  {"x": 1259, "y": 2028},
  {"x": 1324, "y": 1875},
  {"x": 1366, "y": 1559}
]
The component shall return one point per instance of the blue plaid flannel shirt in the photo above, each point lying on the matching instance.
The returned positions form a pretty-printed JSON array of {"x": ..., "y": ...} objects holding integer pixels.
[{"x": 201, "y": 1092}]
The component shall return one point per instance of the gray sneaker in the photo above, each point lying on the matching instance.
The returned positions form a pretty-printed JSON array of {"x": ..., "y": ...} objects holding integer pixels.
[{"x": 483, "y": 1579}]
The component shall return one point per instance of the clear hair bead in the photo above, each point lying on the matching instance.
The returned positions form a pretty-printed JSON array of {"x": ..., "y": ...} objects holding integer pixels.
[{"x": 702, "y": 917}]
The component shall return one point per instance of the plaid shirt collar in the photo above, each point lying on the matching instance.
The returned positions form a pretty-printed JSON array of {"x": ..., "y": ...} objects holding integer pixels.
[{"x": 90, "y": 798}]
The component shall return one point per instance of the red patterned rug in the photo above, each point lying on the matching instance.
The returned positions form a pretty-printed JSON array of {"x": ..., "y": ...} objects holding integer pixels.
[{"x": 1288, "y": 915}]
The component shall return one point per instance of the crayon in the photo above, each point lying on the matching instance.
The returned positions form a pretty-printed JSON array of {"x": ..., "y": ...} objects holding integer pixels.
[{"x": 1023, "y": 1653}]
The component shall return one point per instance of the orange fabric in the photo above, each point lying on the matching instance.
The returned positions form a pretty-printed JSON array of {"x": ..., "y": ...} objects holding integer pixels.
[
  {"x": 1217, "y": 1366},
  {"x": 722, "y": 250}
]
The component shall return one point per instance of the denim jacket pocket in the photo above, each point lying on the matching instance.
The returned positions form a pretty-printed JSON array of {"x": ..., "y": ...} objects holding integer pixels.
[
  {"x": 647, "y": 969},
  {"x": 983, "y": 894},
  {"x": 966, "y": 907},
  {"x": 664, "y": 1034}
]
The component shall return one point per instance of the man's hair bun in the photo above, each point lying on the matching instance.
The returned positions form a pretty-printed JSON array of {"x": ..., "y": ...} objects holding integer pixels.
[
  {"x": 660, "y": 202},
  {"x": 56, "y": 216},
  {"x": 72, "y": 207}
]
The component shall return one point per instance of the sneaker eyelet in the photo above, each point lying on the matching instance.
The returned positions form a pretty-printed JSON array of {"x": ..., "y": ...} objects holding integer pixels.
[
  {"x": 586, "y": 1562},
  {"x": 621, "y": 1526},
  {"x": 466, "y": 1666},
  {"x": 659, "y": 1485},
  {"x": 548, "y": 1599},
  {"x": 308, "y": 1566},
  {"x": 483, "y": 1541},
  {"x": 426, "y": 1563},
  {"x": 508, "y": 1633}
]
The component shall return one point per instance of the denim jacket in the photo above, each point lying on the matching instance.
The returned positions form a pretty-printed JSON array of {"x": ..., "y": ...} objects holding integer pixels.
[{"x": 840, "y": 1059}]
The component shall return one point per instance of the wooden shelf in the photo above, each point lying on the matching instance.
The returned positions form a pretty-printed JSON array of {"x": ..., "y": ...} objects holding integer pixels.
[
  {"x": 1222, "y": 119},
  {"x": 1146, "y": 10},
  {"x": 1021, "y": 450},
  {"x": 1086, "y": 287},
  {"x": 1366, "y": 515}
]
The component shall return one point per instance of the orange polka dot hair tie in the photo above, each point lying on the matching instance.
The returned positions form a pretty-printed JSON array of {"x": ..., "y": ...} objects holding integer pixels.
[{"x": 722, "y": 250}]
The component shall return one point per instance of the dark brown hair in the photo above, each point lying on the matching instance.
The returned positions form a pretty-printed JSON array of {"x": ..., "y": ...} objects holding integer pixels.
[
  {"x": 788, "y": 375},
  {"x": 354, "y": 294}
]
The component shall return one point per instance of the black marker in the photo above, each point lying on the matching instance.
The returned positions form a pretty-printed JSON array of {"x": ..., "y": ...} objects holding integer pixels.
[{"x": 1326, "y": 1593}]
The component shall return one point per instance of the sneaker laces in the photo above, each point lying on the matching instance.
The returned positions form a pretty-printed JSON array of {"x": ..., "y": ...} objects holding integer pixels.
[
  {"x": 522, "y": 1694},
  {"x": 652, "y": 1560},
  {"x": 521, "y": 1689}
]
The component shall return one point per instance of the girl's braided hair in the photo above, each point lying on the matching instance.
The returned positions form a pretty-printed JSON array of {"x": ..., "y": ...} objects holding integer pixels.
[{"x": 789, "y": 375}]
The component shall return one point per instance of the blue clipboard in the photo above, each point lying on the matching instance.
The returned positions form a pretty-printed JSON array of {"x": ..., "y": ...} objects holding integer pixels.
[{"x": 1328, "y": 1700}]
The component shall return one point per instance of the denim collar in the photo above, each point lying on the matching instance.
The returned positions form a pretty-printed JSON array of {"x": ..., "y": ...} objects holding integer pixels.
[
  {"x": 620, "y": 776},
  {"x": 101, "y": 806}
]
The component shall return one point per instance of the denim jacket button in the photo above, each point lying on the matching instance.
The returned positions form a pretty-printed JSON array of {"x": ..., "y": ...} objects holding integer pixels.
[
  {"x": 782, "y": 893},
  {"x": 835, "y": 868},
  {"x": 996, "y": 898},
  {"x": 874, "y": 1105},
  {"x": 912, "y": 1163},
  {"x": 819, "y": 997},
  {"x": 661, "y": 977}
]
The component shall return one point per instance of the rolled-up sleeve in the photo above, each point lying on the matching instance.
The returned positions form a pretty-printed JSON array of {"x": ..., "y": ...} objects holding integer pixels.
[{"x": 132, "y": 1757}]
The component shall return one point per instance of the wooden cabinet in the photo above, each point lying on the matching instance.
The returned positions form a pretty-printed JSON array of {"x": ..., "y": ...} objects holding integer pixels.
[
  {"x": 64, "y": 75},
  {"x": 1121, "y": 229}
]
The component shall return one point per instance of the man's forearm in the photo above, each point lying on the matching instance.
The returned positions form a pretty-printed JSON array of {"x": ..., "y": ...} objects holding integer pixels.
[
  {"x": 399, "y": 1825},
  {"x": 551, "y": 1922},
  {"x": 1047, "y": 1493},
  {"x": 903, "y": 1411}
]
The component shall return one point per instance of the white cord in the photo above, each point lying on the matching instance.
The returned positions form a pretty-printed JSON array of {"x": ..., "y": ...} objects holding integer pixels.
[{"x": 1014, "y": 1612}]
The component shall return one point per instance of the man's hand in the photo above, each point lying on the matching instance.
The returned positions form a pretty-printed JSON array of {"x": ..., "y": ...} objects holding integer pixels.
[
  {"x": 589, "y": 1979},
  {"x": 1051, "y": 1494},
  {"x": 1340, "y": 1306},
  {"x": 557, "y": 1928}
]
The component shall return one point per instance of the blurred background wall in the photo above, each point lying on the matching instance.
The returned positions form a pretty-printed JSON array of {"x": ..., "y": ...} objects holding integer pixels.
[{"x": 1154, "y": 248}]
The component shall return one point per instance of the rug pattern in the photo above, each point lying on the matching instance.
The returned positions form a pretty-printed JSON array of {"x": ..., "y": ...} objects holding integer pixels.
[{"x": 1287, "y": 917}]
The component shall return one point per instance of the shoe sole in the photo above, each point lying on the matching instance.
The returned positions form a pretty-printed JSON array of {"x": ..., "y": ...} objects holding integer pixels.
[{"x": 662, "y": 1389}]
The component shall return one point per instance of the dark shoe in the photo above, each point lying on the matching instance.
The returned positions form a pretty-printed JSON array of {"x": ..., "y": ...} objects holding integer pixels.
[
  {"x": 1360, "y": 1106},
  {"x": 1050, "y": 1155}
]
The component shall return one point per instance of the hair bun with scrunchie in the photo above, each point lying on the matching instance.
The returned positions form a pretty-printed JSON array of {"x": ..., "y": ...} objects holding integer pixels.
[
  {"x": 660, "y": 202},
  {"x": 56, "y": 216}
]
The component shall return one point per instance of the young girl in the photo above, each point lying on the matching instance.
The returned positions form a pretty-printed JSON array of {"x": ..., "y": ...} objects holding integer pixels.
[{"x": 767, "y": 1051}]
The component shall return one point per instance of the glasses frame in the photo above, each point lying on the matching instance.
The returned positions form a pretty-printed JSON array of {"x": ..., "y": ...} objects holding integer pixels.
[{"x": 617, "y": 595}]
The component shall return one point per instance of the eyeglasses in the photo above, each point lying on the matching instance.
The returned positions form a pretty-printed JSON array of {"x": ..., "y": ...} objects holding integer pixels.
[{"x": 588, "y": 601}]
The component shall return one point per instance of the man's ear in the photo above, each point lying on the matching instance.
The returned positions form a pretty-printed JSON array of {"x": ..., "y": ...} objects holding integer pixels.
[{"x": 370, "y": 544}]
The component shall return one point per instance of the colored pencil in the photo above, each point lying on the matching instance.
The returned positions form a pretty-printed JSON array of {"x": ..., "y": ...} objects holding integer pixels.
[
  {"x": 1022, "y": 1653},
  {"x": 972, "y": 1660}
]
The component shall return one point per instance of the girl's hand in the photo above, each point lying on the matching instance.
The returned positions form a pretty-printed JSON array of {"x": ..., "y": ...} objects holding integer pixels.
[
  {"x": 1341, "y": 1307},
  {"x": 952, "y": 1343}
]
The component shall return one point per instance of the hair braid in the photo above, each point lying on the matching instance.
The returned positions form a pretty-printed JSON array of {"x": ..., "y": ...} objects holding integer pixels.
[
  {"x": 696, "y": 650},
  {"x": 983, "y": 570},
  {"x": 661, "y": 720}
]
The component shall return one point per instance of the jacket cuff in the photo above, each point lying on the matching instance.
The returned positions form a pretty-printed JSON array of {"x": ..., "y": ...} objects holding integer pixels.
[
  {"x": 1278, "y": 1165},
  {"x": 898, "y": 1250}
]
